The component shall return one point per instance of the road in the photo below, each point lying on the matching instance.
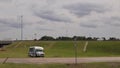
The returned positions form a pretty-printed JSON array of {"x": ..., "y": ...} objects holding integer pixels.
[{"x": 60, "y": 60}]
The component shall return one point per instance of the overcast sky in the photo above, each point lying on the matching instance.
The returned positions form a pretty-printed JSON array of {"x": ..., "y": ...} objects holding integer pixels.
[{"x": 98, "y": 18}]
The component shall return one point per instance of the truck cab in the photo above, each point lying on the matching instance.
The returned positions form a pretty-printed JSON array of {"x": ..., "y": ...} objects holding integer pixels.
[{"x": 36, "y": 51}]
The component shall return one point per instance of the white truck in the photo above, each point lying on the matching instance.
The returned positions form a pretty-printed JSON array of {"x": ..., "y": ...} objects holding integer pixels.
[{"x": 36, "y": 51}]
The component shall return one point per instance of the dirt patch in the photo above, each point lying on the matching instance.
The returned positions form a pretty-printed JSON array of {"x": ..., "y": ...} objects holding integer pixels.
[{"x": 1, "y": 49}]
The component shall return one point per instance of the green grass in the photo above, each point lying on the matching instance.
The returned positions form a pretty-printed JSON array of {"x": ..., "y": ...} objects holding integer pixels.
[
  {"x": 63, "y": 48},
  {"x": 82, "y": 65},
  {"x": 106, "y": 48}
]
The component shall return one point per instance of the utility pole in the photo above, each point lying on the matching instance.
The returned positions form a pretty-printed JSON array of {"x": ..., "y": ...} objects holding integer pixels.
[
  {"x": 21, "y": 20},
  {"x": 35, "y": 36},
  {"x": 75, "y": 46}
]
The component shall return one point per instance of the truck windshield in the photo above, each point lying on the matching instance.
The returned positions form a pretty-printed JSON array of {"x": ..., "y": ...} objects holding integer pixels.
[{"x": 38, "y": 50}]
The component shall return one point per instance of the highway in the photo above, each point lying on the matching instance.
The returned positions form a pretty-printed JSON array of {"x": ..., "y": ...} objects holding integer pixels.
[{"x": 59, "y": 60}]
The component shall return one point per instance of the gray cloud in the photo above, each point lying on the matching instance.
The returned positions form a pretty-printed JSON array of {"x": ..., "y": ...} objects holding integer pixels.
[
  {"x": 112, "y": 21},
  {"x": 2, "y": 29},
  {"x": 5, "y": 0},
  {"x": 51, "y": 16},
  {"x": 9, "y": 23},
  {"x": 83, "y": 9},
  {"x": 45, "y": 29},
  {"x": 50, "y": 13},
  {"x": 96, "y": 17},
  {"x": 88, "y": 25},
  {"x": 14, "y": 23}
]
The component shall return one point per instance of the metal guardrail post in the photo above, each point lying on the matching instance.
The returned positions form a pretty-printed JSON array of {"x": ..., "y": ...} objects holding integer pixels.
[{"x": 75, "y": 46}]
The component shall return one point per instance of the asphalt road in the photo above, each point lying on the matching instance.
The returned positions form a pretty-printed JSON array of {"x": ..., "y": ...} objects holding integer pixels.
[{"x": 59, "y": 60}]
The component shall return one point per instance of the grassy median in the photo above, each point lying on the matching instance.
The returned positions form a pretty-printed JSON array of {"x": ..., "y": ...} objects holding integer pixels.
[{"x": 63, "y": 49}]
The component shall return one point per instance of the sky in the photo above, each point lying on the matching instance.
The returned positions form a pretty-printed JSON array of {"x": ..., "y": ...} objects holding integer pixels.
[{"x": 96, "y": 18}]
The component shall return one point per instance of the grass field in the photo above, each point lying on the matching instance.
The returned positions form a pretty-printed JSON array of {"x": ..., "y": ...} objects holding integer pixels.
[
  {"x": 63, "y": 48},
  {"x": 83, "y": 65}
]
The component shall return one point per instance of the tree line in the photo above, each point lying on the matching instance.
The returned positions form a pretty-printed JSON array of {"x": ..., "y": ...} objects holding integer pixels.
[{"x": 78, "y": 38}]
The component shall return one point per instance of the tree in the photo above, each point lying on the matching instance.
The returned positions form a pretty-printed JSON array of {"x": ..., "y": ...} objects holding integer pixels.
[
  {"x": 104, "y": 38},
  {"x": 47, "y": 38},
  {"x": 64, "y": 38},
  {"x": 89, "y": 38},
  {"x": 79, "y": 37},
  {"x": 113, "y": 39}
]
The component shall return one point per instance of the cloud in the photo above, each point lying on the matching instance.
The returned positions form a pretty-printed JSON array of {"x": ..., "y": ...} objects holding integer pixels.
[
  {"x": 95, "y": 20},
  {"x": 87, "y": 25},
  {"x": 113, "y": 21},
  {"x": 5, "y": 0},
  {"x": 9, "y": 23},
  {"x": 90, "y": 23},
  {"x": 51, "y": 12},
  {"x": 93, "y": 15},
  {"x": 51, "y": 15},
  {"x": 83, "y": 9},
  {"x": 44, "y": 29}
]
